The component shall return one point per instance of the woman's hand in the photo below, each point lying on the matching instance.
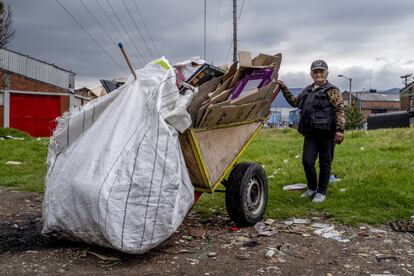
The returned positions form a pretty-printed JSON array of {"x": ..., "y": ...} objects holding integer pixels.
[
  {"x": 339, "y": 137},
  {"x": 282, "y": 84}
]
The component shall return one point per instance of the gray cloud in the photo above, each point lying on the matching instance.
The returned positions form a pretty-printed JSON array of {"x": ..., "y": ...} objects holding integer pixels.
[{"x": 363, "y": 39}]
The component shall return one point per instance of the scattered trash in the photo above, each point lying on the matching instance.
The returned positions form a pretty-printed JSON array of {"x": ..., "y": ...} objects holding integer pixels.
[
  {"x": 362, "y": 148},
  {"x": 320, "y": 225},
  {"x": 269, "y": 221},
  {"x": 259, "y": 226},
  {"x": 274, "y": 268},
  {"x": 298, "y": 186},
  {"x": 297, "y": 156},
  {"x": 306, "y": 235},
  {"x": 301, "y": 221},
  {"x": 342, "y": 190},
  {"x": 234, "y": 228},
  {"x": 103, "y": 257},
  {"x": 245, "y": 256},
  {"x": 378, "y": 231},
  {"x": 381, "y": 257},
  {"x": 186, "y": 251},
  {"x": 285, "y": 161},
  {"x": 263, "y": 230},
  {"x": 270, "y": 253},
  {"x": 330, "y": 233},
  {"x": 193, "y": 261},
  {"x": 13, "y": 163},
  {"x": 279, "y": 260},
  {"x": 212, "y": 254},
  {"x": 243, "y": 239},
  {"x": 8, "y": 137},
  {"x": 288, "y": 222},
  {"x": 406, "y": 270},
  {"x": 251, "y": 244}
]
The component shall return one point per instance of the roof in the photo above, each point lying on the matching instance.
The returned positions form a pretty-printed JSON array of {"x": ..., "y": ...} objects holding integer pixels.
[
  {"x": 36, "y": 69},
  {"x": 42, "y": 61},
  {"x": 409, "y": 89},
  {"x": 376, "y": 97},
  {"x": 99, "y": 91}
]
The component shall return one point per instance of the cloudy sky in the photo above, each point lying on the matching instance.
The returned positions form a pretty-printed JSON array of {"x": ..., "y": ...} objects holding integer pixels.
[{"x": 368, "y": 40}]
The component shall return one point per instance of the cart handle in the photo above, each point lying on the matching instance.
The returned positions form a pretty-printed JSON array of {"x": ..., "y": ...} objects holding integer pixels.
[{"x": 131, "y": 67}]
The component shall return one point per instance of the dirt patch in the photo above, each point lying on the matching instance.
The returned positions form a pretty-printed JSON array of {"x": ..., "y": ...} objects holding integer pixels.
[{"x": 205, "y": 247}]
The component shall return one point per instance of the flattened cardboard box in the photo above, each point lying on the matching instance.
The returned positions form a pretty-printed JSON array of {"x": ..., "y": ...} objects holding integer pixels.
[
  {"x": 218, "y": 115},
  {"x": 207, "y": 88}
]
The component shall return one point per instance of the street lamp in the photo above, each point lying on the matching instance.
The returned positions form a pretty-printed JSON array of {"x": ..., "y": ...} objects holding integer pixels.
[{"x": 350, "y": 87}]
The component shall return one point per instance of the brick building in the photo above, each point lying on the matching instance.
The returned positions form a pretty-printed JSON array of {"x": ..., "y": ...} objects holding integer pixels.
[
  {"x": 407, "y": 97},
  {"x": 373, "y": 103},
  {"x": 33, "y": 93}
]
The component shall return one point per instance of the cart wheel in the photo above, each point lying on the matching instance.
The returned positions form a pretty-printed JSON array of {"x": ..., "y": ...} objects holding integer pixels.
[{"x": 246, "y": 193}]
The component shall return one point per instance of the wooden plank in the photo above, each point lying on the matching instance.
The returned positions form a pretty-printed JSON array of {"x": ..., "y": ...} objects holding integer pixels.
[
  {"x": 220, "y": 146},
  {"x": 190, "y": 161}
]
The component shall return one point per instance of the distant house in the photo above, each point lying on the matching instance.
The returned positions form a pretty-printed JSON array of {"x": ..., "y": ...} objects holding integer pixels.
[
  {"x": 87, "y": 94},
  {"x": 33, "y": 93},
  {"x": 373, "y": 103},
  {"x": 407, "y": 97}
]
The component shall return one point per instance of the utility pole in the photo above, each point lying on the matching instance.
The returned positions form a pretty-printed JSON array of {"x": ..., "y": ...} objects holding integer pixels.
[
  {"x": 234, "y": 30},
  {"x": 406, "y": 77},
  {"x": 205, "y": 29}
]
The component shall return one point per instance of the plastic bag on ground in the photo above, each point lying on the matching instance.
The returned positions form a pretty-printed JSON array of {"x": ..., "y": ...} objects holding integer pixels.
[{"x": 116, "y": 175}]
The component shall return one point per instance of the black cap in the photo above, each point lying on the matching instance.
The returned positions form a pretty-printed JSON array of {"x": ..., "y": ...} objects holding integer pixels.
[{"x": 319, "y": 64}]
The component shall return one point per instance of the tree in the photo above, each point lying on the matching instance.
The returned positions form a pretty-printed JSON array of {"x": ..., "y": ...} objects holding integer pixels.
[
  {"x": 354, "y": 118},
  {"x": 6, "y": 25}
]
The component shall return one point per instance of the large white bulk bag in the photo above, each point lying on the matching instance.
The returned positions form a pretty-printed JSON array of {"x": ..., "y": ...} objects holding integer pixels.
[{"x": 116, "y": 175}]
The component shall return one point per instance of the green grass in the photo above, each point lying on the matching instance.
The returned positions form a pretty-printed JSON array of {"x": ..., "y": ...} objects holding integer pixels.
[
  {"x": 29, "y": 176},
  {"x": 13, "y": 132},
  {"x": 376, "y": 168}
]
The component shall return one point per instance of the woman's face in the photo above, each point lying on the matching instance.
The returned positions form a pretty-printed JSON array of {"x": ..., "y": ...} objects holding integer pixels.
[{"x": 319, "y": 75}]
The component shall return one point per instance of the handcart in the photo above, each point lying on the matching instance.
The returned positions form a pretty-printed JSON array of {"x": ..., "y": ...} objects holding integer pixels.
[{"x": 211, "y": 156}]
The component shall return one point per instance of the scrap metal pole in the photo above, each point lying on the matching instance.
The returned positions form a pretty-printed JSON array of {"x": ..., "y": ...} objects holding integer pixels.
[
  {"x": 234, "y": 30},
  {"x": 131, "y": 67}
]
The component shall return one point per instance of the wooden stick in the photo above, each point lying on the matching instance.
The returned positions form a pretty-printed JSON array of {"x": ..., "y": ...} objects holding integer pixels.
[{"x": 131, "y": 67}]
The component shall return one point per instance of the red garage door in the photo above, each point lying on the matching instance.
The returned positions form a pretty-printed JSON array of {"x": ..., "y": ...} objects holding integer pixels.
[{"x": 34, "y": 114}]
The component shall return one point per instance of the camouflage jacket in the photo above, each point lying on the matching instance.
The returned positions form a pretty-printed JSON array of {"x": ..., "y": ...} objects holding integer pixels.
[{"x": 335, "y": 98}]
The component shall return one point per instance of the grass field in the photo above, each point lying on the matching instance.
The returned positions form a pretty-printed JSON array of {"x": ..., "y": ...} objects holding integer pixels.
[{"x": 376, "y": 169}]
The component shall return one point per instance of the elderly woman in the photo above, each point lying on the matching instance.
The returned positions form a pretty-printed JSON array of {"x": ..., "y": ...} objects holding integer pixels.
[{"x": 322, "y": 123}]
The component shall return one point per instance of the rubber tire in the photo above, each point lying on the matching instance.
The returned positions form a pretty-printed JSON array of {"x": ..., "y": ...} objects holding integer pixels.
[{"x": 236, "y": 193}]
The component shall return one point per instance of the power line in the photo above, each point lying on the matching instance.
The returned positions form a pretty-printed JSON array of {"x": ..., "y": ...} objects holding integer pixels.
[
  {"x": 96, "y": 20},
  {"x": 84, "y": 29},
  {"x": 117, "y": 30},
  {"x": 126, "y": 31},
  {"x": 146, "y": 28},
  {"x": 139, "y": 31}
]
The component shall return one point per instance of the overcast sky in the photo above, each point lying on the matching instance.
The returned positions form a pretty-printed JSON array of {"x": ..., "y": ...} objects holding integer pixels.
[{"x": 369, "y": 40}]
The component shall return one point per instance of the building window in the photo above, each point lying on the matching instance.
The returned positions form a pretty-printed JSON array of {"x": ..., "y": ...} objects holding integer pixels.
[{"x": 376, "y": 111}]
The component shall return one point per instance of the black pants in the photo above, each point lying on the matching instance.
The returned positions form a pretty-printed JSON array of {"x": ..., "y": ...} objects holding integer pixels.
[{"x": 312, "y": 148}]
